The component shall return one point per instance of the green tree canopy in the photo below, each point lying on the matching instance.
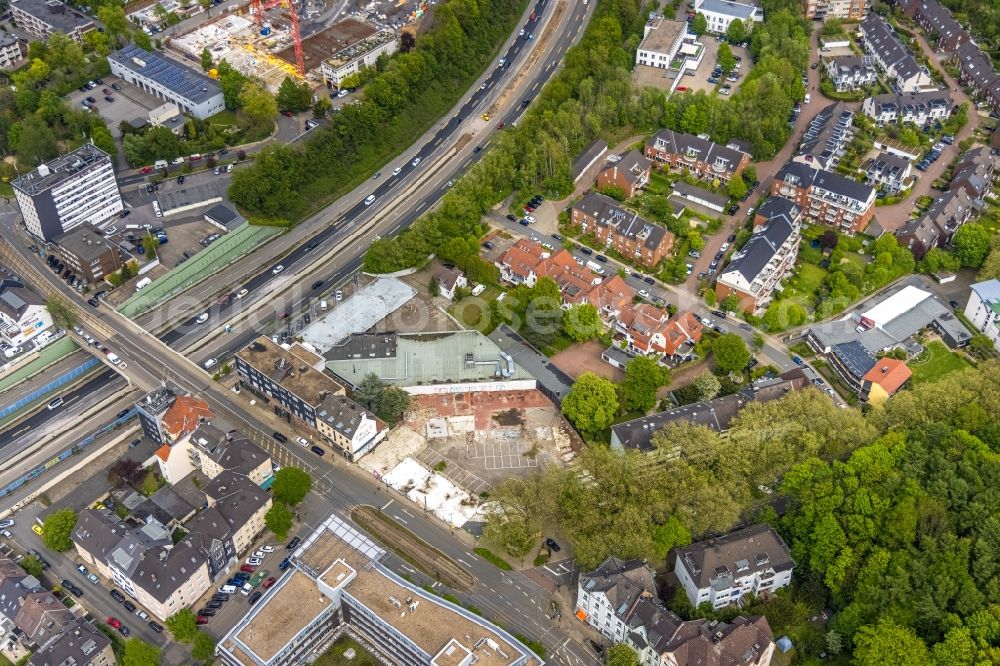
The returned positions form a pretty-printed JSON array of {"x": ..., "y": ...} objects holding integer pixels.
[
  {"x": 707, "y": 385},
  {"x": 736, "y": 32},
  {"x": 291, "y": 485},
  {"x": 889, "y": 643},
  {"x": 591, "y": 404},
  {"x": 582, "y": 322},
  {"x": 279, "y": 520},
  {"x": 726, "y": 60},
  {"x": 182, "y": 625},
  {"x": 204, "y": 647},
  {"x": 730, "y": 352},
  {"x": 736, "y": 188},
  {"x": 643, "y": 378},
  {"x": 206, "y": 59},
  {"x": 699, "y": 25},
  {"x": 32, "y": 566},
  {"x": 294, "y": 96},
  {"x": 57, "y": 529},
  {"x": 972, "y": 244},
  {"x": 61, "y": 312},
  {"x": 393, "y": 404},
  {"x": 257, "y": 103},
  {"x": 137, "y": 652},
  {"x": 622, "y": 654}
]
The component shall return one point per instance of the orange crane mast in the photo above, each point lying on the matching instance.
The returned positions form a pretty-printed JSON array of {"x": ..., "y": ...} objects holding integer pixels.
[{"x": 261, "y": 6}]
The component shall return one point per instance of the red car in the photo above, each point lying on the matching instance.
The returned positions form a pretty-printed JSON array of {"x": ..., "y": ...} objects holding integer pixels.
[
  {"x": 246, "y": 568},
  {"x": 146, "y": 169},
  {"x": 269, "y": 582},
  {"x": 500, "y": 125},
  {"x": 114, "y": 622},
  {"x": 201, "y": 620},
  {"x": 681, "y": 88}
]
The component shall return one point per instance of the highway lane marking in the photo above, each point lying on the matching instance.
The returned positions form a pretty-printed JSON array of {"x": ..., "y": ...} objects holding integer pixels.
[
  {"x": 464, "y": 562},
  {"x": 400, "y": 520},
  {"x": 387, "y": 504},
  {"x": 421, "y": 206}
]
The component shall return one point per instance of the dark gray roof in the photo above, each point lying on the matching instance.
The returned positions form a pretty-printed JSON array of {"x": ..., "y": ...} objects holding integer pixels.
[
  {"x": 827, "y": 132},
  {"x": 623, "y": 582},
  {"x": 592, "y": 152},
  {"x": 805, "y": 176},
  {"x": 761, "y": 248},
  {"x": 775, "y": 207},
  {"x": 687, "y": 190},
  {"x": 232, "y": 450},
  {"x": 913, "y": 103},
  {"x": 363, "y": 345},
  {"x": 855, "y": 357},
  {"x": 976, "y": 66},
  {"x": 342, "y": 414},
  {"x": 608, "y": 213},
  {"x": 740, "y": 553},
  {"x": 886, "y": 44},
  {"x": 57, "y": 14},
  {"x": 224, "y": 215},
  {"x": 84, "y": 243},
  {"x": 79, "y": 644},
  {"x": 15, "y": 298},
  {"x": 632, "y": 165},
  {"x": 683, "y": 144},
  {"x": 62, "y": 168},
  {"x": 183, "y": 81},
  {"x": 236, "y": 497}
]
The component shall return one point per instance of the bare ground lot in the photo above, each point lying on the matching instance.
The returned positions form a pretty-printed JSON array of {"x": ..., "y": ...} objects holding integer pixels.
[{"x": 586, "y": 357}]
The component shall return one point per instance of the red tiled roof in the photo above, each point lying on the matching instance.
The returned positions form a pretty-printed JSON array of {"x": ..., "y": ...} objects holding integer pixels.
[
  {"x": 889, "y": 373},
  {"x": 184, "y": 415}
]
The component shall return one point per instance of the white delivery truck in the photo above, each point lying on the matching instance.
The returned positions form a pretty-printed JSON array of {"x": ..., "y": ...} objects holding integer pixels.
[
  {"x": 144, "y": 282},
  {"x": 160, "y": 164},
  {"x": 596, "y": 267}
]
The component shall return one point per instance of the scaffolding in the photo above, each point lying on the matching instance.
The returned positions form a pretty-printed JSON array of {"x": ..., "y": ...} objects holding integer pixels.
[{"x": 260, "y": 6}]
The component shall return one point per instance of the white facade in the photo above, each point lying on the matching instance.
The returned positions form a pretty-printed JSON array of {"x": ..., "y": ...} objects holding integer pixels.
[
  {"x": 983, "y": 309},
  {"x": 41, "y": 18},
  {"x": 720, "y": 13},
  {"x": 72, "y": 190},
  {"x": 361, "y": 55},
  {"x": 34, "y": 320},
  {"x": 600, "y": 613},
  {"x": 192, "y": 92},
  {"x": 661, "y": 40},
  {"x": 10, "y": 51},
  {"x": 721, "y": 596}
]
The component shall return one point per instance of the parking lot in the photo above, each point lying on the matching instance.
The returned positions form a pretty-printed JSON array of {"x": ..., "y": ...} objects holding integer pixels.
[
  {"x": 700, "y": 79},
  {"x": 130, "y": 103}
]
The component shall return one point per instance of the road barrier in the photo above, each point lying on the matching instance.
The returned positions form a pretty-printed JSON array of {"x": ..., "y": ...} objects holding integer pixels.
[{"x": 48, "y": 388}]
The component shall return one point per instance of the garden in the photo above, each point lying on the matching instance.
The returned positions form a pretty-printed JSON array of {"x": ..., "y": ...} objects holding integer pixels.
[{"x": 935, "y": 362}]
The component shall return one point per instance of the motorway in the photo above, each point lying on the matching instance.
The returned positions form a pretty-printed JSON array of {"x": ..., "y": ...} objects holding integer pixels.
[{"x": 509, "y": 597}]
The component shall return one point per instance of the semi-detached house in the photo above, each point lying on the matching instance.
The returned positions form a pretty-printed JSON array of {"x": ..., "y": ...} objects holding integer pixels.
[{"x": 700, "y": 156}]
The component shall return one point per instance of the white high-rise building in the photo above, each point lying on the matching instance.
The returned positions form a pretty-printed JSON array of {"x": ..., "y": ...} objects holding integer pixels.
[{"x": 75, "y": 189}]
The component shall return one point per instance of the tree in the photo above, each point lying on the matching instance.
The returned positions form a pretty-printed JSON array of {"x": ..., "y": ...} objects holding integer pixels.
[
  {"x": 695, "y": 240},
  {"x": 972, "y": 244},
  {"x": 393, "y": 404},
  {"x": 730, "y": 352},
  {"x": 37, "y": 142},
  {"x": 293, "y": 96},
  {"x": 279, "y": 520},
  {"x": 126, "y": 469},
  {"x": 321, "y": 107},
  {"x": 591, "y": 404},
  {"x": 889, "y": 643},
  {"x": 61, "y": 312},
  {"x": 204, "y": 647},
  {"x": 736, "y": 188},
  {"x": 257, "y": 103},
  {"x": 981, "y": 345},
  {"x": 706, "y": 384},
  {"x": 643, "y": 378},
  {"x": 725, "y": 58},
  {"x": 115, "y": 23},
  {"x": 101, "y": 137},
  {"x": 736, "y": 32},
  {"x": 206, "y": 59},
  {"x": 182, "y": 625},
  {"x": 57, "y": 528},
  {"x": 138, "y": 652},
  {"x": 621, "y": 654},
  {"x": 699, "y": 25},
  {"x": 730, "y": 303},
  {"x": 32, "y": 566},
  {"x": 369, "y": 391},
  {"x": 582, "y": 322},
  {"x": 291, "y": 485}
]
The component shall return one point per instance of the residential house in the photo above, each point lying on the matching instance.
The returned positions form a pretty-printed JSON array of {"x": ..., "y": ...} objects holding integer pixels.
[
  {"x": 213, "y": 451},
  {"x": 15, "y": 585},
  {"x": 758, "y": 268},
  {"x": 628, "y": 234},
  {"x": 88, "y": 253},
  {"x": 517, "y": 264},
  {"x": 974, "y": 172},
  {"x": 350, "y": 428},
  {"x": 241, "y": 503},
  {"x": 42, "y": 617},
  {"x": 850, "y": 72},
  {"x": 852, "y": 361},
  {"x": 891, "y": 56},
  {"x": 723, "y": 570},
  {"x": 182, "y": 418},
  {"x": 849, "y": 10},
  {"x": 919, "y": 108},
  {"x": 10, "y": 51},
  {"x": 630, "y": 174},
  {"x": 888, "y": 172},
  {"x": 619, "y": 599},
  {"x": 23, "y": 315},
  {"x": 720, "y": 13},
  {"x": 448, "y": 280},
  {"x": 937, "y": 226},
  {"x": 80, "y": 644},
  {"x": 976, "y": 71},
  {"x": 826, "y": 197},
  {"x": 611, "y": 296},
  {"x": 983, "y": 309},
  {"x": 943, "y": 31},
  {"x": 661, "y": 41},
  {"x": 826, "y": 137},
  {"x": 697, "y": 155},
  {"x": 887, "y": 376},
  {"x": 716, "y": 414},
  {"x": 652, "y": 331}
]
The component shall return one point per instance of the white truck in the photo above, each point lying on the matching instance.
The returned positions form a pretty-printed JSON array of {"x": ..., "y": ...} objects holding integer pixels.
[
  {"x": 596, "y": 267},
  {"x": 144, "y": 282},
  {"x": 160, "y": 164}
]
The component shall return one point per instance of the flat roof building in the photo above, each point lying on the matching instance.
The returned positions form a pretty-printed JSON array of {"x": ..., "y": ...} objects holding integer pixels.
[
  {"x": 10, "y": 51},
  {"x": 193, "y": 92},
  {"x": 72, "y": 190},
  {"x": 359, "y": 55},
  {"x": 41, "y": 18},
  {"x": 88, "y": 253}
]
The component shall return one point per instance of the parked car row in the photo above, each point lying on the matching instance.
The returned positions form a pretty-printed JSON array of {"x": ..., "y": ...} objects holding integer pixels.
[{"x": 931, "y": 157}]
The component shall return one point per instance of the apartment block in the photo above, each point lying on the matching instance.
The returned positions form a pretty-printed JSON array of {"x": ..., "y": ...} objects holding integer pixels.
[
  {"x": 915, "y": 107},
  {"x": 889, "y": 173},
  {"x": 889, "y": 54},
  {"x": 628, "y": 234},
  {"x": 72, "y": 190},
  {"x": 10, "y": 51},
  {"x": 650, "y": 330},
  {"x": 88, "y": 253},
  {"x": 977, "y": 73},
  {"x": 699, "y": 156},
  {"x": 41, "y": 18},
  {"x": 826, "y": 197},
  {"x": 661, "y": 41},
  {"x": 944, "y": 32},
  {"x": 850, "y": 10},
  {"x": 721, "y": 571},
  {"x": 851, "y": 72},
  {"x": 759, "y": 267},
  {"x": 630, "y": 173},
  {"x": 827, "y": 136},
  {"x": 983, "y": 309}
]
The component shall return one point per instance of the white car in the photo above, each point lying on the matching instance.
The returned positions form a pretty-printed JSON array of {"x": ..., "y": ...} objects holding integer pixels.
[
  {"x": 142, "y": 615},
  {"x": 725, "y": 246},
  {"x": 4, "y": 524},
  {"x": 6, "y": 534},
  {"x": 78, "y": 330},
  {"x": 370, "y": 199},
  {"x": 416, "y": 161},
  {"x": 502, "y": 62},
  {"x": 530, "y": 219},
  {"x": 258, "y": 554},
  {"x": 302, "y": 441},
  {"x": 339, "y": 295},
  {"x": 89, "y": 339},
  {"x": 242, "y": 293},
  {"x": 122, "y": 364},
  {"x": 644, "y": 293},
  {"x": 395, "y": 172},
  {"x": 202, "y": 318},
  {"x": 210, "y": 363},
  {"x": 521, "y": 34},
  {"x": 277, "y": 269},
  {"x": 267, "y": 549},
  {"x": 254, "y": 561}
]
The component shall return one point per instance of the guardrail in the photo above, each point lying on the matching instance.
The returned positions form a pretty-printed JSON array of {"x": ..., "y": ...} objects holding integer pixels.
[{"x": 48, "y": 388}]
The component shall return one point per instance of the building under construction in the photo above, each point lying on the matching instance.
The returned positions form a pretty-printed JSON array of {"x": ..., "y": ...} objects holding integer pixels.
[{"x": 343, "y": 49}]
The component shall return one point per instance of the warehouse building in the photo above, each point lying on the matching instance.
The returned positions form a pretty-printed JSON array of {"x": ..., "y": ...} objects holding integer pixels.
[{"x": 193, "y": 92}]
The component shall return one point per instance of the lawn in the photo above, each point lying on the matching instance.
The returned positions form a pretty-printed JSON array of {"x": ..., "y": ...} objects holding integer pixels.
[
  {"x": 474, "y": 311},
  {"x": 935, "y": 362},
  {"x": 334, "y": 655},
  {"x": 224, "y": 118},
  {"x": 806, "y": 283},
  {"x": 658, "y": 184}
]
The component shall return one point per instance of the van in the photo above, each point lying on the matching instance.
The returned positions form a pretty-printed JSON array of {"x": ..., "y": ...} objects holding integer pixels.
[
  {"x": 114, "y": 359},
  {"x": 323, "y": 306},
  {"x": 160, "y": 164},
  {"x": 228, "y": 589},
  {"x": 144, "y": 282},
  {"x": 202, "y": 318}
]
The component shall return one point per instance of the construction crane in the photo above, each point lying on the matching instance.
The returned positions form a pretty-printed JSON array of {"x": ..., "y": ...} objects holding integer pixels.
[{"x": 261, "y": 6}]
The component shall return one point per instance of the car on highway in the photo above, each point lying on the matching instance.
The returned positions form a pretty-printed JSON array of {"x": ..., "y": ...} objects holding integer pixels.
[
  {"x": 370, "y": 199},
  {"x": 279, "y": 437},
  {"x": 396, "y": 171},
  {"x": 55, "y": 403},
  {"x": 311, "y": 246},
  {"x": 317, "y": 284},
  {"x": 416, "y": 161},
  {"x": 277, "y": 269},
  {"x": 242, "y": 292}
]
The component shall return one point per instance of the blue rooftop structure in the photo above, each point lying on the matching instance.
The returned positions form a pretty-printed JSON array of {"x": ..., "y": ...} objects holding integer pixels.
[{"x": 171, "y": 81}]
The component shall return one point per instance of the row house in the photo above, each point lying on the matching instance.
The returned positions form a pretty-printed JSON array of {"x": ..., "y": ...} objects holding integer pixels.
[
  {"x": 943, "y": 31},
  {"x": 826, "y": 138},
  {"x": 652, "y": 331},
  {"x": 890, "y": 173},
  {"x": 826, "y": 197},
  {"x": 936, "y": 227},
  {"x": 974, "y": 172},
  {"x": 619, "y": 599},
  {"x": 894, "y": 59},
  {"x": 759, "y": 267},
  {"x": 851, "y": 72},
  {"x": 698, "y": 155},
  {"x": 919, "y": 108},
  {"x": 977, "y": 73},
  {"x": 630, "y": 173},
  {"x": 628, "y": 234}
]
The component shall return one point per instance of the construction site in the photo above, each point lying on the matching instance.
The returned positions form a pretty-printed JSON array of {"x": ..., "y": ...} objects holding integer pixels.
[{"x": 272, "y": 39}]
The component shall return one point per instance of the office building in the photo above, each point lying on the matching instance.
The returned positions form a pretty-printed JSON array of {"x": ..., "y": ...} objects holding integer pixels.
[
  {"x": 192, "y": 92},
  {"x": 720, "y": 13},
  {"x": 41, "y": 18},
  {"x": 338, "y": 585},
  {"x": 87, "y": 253},
  {"x": 983, "y": 309},
  {"x": 75, "y": 189},
  {"x": 360, "y": 55}
]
